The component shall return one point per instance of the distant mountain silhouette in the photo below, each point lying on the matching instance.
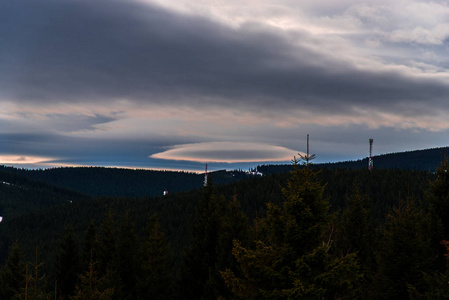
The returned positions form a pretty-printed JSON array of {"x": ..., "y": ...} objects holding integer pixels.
[
  {"x": 100, "y": 181},
  {"x": 116, "y": 182},
  {"x": 422, "y": 160}
]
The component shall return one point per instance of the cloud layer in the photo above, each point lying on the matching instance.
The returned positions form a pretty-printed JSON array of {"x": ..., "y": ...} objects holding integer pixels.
[
  {"x": 96, "y": 81},
  {"x": 230, "y": 152}
]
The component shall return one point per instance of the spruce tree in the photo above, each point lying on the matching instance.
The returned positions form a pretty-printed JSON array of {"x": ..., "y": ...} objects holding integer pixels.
[
  {"x": 438, "y": 195},
  {"x": 89, "y": 247},
  {"x": 12, "y": 275},
  {"x": 126, "y": 258},
  {"x": 235, "y": 225},
  {"x": 35, "y": 282},
  {"x": 355, "y": 231},
  {"x": 91, "y": 286},
  {"x": 199, "y": 278},
  {"x": 67, "y": 264},
  {"x": 107, "y": 253},
  {"x": 155, "y": 280},
  {"x": 291, "y": 259},
  {"x": 438, "y": 282},
  {"x": 404, "y": 252}
]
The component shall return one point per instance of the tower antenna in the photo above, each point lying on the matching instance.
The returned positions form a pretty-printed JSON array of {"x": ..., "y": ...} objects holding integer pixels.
[
  {"x": 370, "y": 159},
  {"x": 308, "y": 156},
  {"x": 205, "y": 177},
  {"x": 307, "y": 145}
]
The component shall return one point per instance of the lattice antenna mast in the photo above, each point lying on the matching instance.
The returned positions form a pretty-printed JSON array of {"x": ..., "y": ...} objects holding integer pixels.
[
  {"x": 205, "y": 177},
  {"x": 370, "y": 159}
]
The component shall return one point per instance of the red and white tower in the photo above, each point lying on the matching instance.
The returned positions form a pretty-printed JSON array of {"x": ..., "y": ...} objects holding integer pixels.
[{"x": 370, "y": 159}]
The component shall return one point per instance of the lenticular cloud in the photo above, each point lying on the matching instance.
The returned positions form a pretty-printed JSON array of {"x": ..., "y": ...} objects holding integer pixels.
[{"x": 228, "y": 152}]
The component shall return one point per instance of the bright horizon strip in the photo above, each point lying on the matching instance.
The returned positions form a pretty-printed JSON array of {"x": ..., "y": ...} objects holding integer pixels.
[
  {"x": 38, "y": 162},
  {"x": 24, "y": 159}
]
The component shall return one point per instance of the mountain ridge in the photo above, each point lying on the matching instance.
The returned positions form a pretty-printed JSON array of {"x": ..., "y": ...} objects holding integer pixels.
[
  {"x": 117, "y": 182},
  {"x": 419, "y": 160}
]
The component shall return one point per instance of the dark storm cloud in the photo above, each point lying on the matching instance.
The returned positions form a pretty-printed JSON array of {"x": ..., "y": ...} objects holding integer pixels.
[{"x": 85, "y": 51}]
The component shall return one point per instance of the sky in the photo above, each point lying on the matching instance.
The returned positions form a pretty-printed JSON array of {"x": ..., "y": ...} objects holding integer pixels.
[{"x": 177, "y": 84}]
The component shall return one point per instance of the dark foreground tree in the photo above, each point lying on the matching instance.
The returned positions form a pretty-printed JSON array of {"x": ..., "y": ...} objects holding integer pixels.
[
  {"x": 155, "y": 280},
  {"x": 292, "y": 259},
  {"x": 355, "y": 231},
  {"x": 91, "y": 286},
  {"x": 438, "y": 194},
  {"x": 126, "y": 259},
  {"x": 405, "y": 252},
  {"x": 12, "y": 275},
  {"x": 199, "y": 276},
  {"x": 67, "y": 264},
  {"x": 89, "y": 247}
]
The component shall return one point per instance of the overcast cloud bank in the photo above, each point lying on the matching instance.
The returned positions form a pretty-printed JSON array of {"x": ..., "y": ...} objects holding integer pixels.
[{"x": 121, "y": 82}]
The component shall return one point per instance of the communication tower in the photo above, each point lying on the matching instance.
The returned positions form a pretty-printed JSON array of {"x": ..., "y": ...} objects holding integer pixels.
[
  {"x": 205, "y": 177},
  {"x": 370, "y": 159}
]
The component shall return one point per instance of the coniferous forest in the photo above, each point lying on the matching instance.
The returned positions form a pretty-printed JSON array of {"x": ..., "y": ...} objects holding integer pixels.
[{"x": 313, "y": 232}]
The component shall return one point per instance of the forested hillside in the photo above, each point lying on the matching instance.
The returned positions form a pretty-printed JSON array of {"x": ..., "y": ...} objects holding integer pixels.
[
  {"x": 316, "y": 232},
  {"x": 116, "y": 182},
  {"x": 19, "y": 195},
  {"x": 424, "y": 160}
]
